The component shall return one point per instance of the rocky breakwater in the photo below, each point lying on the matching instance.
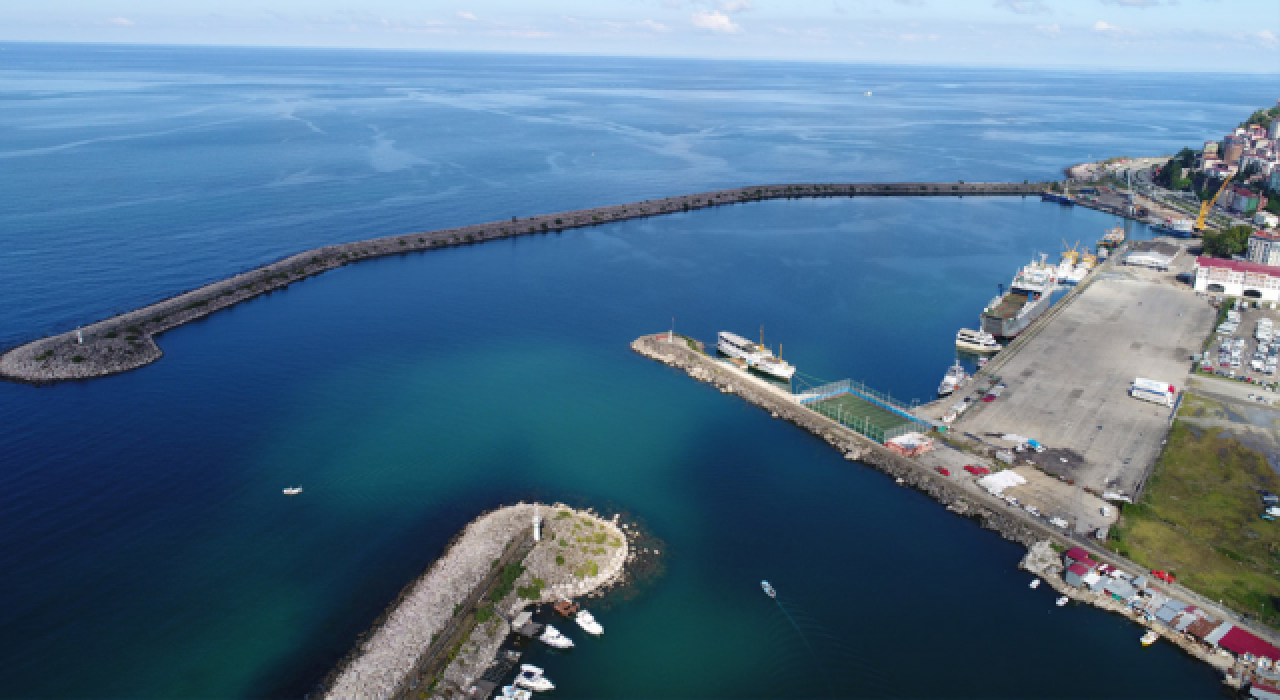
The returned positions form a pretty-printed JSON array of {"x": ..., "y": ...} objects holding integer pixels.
[
  {"x": 127, "y": 341},
  {"x": 580, "y": 555},
  {"x": 445, "y": 629},
  {"x": 918, "y": 472}
]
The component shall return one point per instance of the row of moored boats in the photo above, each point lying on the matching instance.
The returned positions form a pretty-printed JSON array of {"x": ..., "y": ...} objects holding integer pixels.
[{"x": 533, "y": 679}]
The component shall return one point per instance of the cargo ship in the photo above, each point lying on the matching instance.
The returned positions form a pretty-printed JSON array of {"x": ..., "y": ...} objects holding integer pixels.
[
  {"x": 1174, "y": 227},
  {"x": 1029, "y": 295}
]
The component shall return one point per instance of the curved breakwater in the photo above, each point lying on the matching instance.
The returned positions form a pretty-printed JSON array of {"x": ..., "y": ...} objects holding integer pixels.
[{"x": 127, "y": 341}]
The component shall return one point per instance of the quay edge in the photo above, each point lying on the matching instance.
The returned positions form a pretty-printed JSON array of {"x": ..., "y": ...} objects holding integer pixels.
[{"x": 127, "y": 341}]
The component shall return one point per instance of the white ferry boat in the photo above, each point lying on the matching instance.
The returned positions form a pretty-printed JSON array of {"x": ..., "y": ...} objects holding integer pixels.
[
  {"x": 756, "y": 355},
  {"x": 976, "y": 341}
]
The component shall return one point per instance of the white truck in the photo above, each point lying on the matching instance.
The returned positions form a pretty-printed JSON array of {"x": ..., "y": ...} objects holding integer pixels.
[{"x": 1153, "y": 391}]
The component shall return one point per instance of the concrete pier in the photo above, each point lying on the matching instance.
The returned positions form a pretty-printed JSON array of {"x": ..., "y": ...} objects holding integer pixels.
[{"x": 127, "y": 341}]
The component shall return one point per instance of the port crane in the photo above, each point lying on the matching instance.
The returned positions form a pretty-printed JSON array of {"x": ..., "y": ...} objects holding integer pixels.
[{"x": 1208, "y": 204}]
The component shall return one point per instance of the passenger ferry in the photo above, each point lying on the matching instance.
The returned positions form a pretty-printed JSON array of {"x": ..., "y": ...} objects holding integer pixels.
[
  {"x": 976, "y": 341},
  {"x": 1010, "y": 313},
  {"x": 756, "y": 355}
]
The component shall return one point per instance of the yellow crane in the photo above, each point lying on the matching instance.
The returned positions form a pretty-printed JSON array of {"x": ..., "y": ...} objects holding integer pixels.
[{"x": 1207, "y": 205}]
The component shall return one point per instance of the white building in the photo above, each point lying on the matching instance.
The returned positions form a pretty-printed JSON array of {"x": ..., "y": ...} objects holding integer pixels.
[
  {"x": 1157, "y": 255},
  {"x": 1267, "y": 219},
  {"x": 1264, "y": 248},
  {"x": 1238, "y": 278}
]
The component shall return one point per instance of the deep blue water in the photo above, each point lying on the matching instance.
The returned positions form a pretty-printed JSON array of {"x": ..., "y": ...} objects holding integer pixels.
[{"x": 145, "y": 550}]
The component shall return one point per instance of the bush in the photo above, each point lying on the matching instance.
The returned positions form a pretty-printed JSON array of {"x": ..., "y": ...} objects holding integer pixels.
[
  {"x": 559, "y": 560},
  {"x": 484, "y": 614},
  {"x": 510, "y": 573},
  {"x": 78, "y": 358},
  {"x": 112, "y": 334},
  {"x": 533, "y": 591}
]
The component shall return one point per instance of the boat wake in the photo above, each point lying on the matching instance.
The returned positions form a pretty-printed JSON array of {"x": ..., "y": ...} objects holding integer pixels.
[{"x": 824, "y": 655}]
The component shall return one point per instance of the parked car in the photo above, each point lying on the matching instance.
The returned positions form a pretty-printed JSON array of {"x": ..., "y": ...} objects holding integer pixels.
[
  {"x": 944, "y": 471},
  {"x": 976, "y": 470},
  {"x": 1165, "y": 576}
]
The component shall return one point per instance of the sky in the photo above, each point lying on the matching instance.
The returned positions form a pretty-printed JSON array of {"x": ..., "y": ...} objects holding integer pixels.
[{"x": 1177, "y": 35}]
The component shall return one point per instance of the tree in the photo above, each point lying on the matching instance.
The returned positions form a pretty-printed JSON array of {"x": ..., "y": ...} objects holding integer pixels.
[{"x": 1233, "y": 241}]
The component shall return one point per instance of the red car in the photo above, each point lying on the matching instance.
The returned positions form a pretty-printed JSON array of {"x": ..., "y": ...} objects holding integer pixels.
[
  {"x": 1165, "y": 576},
  {"x": 988, "y": 398},
  {"x": 944, "y": 471},
  {"x": 976, "y": 470}
]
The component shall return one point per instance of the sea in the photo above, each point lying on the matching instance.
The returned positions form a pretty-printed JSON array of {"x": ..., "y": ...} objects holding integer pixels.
[{"x": 146, "y": 550}]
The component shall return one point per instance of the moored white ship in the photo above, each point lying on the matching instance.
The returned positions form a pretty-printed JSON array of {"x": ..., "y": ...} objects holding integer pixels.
[
  {"x": 1028, "y": 297},
  {"x": 954, "y": 378},
  {"x": 756, "y": 355}
]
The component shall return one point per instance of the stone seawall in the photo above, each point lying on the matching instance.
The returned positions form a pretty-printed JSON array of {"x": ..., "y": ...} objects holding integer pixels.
[{"x": 127, "y": 341}]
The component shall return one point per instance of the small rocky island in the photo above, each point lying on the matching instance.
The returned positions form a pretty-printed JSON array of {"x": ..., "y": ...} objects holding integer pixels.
[{"x": 446, "y": 629}]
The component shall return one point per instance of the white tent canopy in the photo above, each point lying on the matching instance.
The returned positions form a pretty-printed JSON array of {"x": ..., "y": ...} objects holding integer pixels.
[{"x": 998, "y": 482}]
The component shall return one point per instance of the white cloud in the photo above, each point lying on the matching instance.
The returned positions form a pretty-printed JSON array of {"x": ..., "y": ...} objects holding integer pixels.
[
  {"x": 1049, "y": 29},
  {"x": 1133, "y": 3},
  {"x": 714, "y": 22},
  {"x": 1101, "y": 26},
  {"x": 918, "y": 37},
  {"x": 909, "y": 3},
  {"x": 654, "y": 26},
  {"x": 468, "y": 16},
  {"x": 1267, "y": 38},
  {"x": 121, "y": 21},
  {"x": 1024, "y": 7},
  {"x": 732, "y": 6}
]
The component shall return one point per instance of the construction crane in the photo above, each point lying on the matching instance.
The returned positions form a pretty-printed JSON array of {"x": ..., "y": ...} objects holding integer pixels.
[{"x": 1207, "y": 205}]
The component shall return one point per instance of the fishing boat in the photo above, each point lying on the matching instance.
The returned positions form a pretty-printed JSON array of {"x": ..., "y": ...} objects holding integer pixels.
[
  {"x": 531, "y": 677},
  {"x": 1062, "y": 601},
  {"x": 1112, "y": 238},
  {"x": 1149, "y": 638},
  {"x": 588, "y": 623},
  {"x": 954, "y": 377},
  {"x": 293, "y": 491},
  {"x": 1181, "y": 228},
  {"x": 1035, "y": 583},
  {"x": 553, "y": 638},
  {"x": 976, "y": 341},
  {"x": 768, "y": 589}
]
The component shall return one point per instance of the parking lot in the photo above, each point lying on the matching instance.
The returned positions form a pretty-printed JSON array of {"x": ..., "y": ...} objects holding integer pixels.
[
  {"x": 1069, "y": 386},
  {"x": 1247, "y": 346}
]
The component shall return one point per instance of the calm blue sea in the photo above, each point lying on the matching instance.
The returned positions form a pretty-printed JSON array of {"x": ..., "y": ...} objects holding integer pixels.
[{"x": 145, "y": 549}]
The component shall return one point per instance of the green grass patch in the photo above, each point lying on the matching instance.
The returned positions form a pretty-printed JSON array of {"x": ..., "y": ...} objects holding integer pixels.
[
  {"x": 112, "y": 334},
  {"x": 587, "y": 570},
  {"x": 44, "y": 356},
  {"x": 533, "y": 591},
  {"x": 1199, "y": 518},
  {"x": 563, "y": 514},
  {"x": 559, "y": 560},
  {"x": 484, "y": 614},
  {"x": 506, "y": 582},
  {"x": 77, "y": 359}
]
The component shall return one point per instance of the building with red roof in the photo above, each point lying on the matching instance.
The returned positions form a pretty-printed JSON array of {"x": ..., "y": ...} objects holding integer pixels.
[{"x": 1237, "y": 278}]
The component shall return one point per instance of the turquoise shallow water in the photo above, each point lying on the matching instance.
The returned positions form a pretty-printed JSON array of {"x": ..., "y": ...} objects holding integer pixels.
[{"x": 143, "y": 539}]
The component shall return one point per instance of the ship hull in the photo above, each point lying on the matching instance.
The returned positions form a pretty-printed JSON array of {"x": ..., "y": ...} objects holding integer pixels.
[
  {"x": 1005, "y": 328},
  {"x": 1057, "y": 198}
]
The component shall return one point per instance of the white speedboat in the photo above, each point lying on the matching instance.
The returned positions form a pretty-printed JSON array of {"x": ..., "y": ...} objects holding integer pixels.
[
  {"x": 1035, "y": 583},
  {"x": 976, "y": 341},
  {"x": 531, "y": 677},
  {"x": 1062, "y": 601},
  {"x": 768, "y": 589},
  {"x": 954, "y": 377},
  {"x": 588, "y": 623},
  {"x": 1149, "y": 638},
  {"x": 293, "y": 491},
  {"x": 553, "y": 638},
  {"x": 511, "y": 692}
]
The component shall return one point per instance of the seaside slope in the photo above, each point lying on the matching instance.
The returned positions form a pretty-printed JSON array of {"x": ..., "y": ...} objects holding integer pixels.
[{"x": 127, "y": 341}]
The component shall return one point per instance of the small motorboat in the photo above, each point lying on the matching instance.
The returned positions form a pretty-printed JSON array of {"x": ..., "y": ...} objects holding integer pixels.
[
  {"x": 293, "y": 491},
  {"x": 553, "y": 638},
  {"x": 511, "y": 692},
  {"x": 1149, "y": 638},
  {"x": 588, "y": 623},
  {"x": 768, "y": 589},
  {"x": 1062, "y": 601},
  {"x": 1035, "y": 583},
  {"x": 531, "y": 678}
]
